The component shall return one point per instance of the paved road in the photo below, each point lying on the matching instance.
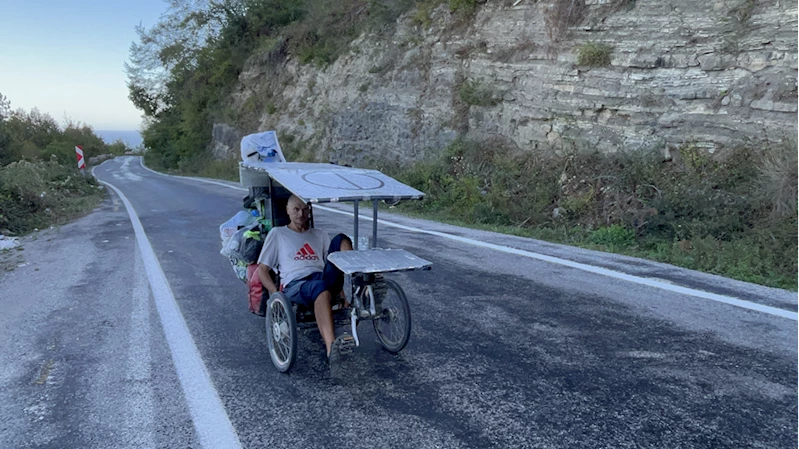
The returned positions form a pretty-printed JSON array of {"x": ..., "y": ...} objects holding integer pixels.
[{"x": 506, "y": 350}]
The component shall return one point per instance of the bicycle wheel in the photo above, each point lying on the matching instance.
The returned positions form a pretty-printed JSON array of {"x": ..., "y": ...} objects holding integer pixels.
[
  {"x": 281, "y": 332},
  {"x": 393, "y": 327}
]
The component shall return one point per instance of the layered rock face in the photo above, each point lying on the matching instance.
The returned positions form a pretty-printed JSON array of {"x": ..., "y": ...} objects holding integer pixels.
[{"x": 714, "y": 74}]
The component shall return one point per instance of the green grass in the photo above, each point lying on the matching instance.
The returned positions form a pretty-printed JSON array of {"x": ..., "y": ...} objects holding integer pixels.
[{"x": 225, "y": 169}]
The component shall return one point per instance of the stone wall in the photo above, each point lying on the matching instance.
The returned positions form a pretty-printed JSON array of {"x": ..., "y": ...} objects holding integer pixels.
[{"x": 710, "y": 73}]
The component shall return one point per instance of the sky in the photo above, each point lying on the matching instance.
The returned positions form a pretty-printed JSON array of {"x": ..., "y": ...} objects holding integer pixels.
[{"x": 66, "y": 57}]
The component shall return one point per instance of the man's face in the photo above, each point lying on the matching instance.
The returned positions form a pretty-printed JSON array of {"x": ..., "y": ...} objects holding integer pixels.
[{"x": 298, "y": 212}]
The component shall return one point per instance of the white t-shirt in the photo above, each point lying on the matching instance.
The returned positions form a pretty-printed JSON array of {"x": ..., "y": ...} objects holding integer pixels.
[{"x": 295, "y": 254}]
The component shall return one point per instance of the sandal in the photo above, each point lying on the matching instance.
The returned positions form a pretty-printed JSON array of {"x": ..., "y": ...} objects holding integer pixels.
[{"x": 343, "y": 344}]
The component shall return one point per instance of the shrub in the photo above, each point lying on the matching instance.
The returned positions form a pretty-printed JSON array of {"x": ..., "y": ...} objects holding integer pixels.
[
  {"x": 593, "y": 54},
  {"x": 296, "y": 150},
  {"x": 38, "y": 194},
  {"x": 423, "y": 12},
  {"x": 476, "y": 93},
  {"x": 221, "y": 169},
  {"x": 777, "y": 178},
  {"x": 699, "y": 211}
]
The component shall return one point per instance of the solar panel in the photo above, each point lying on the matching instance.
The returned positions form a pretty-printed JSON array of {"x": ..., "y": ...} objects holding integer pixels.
[{"x": 324, "y": 183}]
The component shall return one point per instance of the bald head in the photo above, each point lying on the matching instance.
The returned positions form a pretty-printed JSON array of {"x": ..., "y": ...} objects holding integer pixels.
[
  {"x": 299, "y": 212},
  {"x": 294, "y": 201}
]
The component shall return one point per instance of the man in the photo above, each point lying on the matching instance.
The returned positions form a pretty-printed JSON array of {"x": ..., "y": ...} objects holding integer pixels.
[{"x": 299, "y": 254}]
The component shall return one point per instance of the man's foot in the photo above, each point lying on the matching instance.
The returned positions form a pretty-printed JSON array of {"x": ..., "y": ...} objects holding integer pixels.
[{"x": 343, "y": 344}]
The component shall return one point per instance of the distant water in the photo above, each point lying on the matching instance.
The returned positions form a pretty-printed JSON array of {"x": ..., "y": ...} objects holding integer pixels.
[{"x": 131, "y": 138}]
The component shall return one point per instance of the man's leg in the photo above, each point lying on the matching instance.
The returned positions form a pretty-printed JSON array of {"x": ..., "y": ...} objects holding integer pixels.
[
  {"x": 324, "y": 318},
  {"x": 311, "y": 292},
  {"x": 339, "y": 243},
  {"x": 333, "y": 277}
]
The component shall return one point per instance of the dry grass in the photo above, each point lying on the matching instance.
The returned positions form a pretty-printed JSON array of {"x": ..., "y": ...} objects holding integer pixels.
[{"x": 778, "y": 179}]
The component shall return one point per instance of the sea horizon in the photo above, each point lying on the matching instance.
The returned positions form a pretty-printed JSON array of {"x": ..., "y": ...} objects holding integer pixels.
[{"x": 131, "y": 138}]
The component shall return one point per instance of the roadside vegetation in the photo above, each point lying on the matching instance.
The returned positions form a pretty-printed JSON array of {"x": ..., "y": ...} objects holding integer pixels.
[
  {"x": 733, "y": 214},
  {"x": 40, "y": 184}
]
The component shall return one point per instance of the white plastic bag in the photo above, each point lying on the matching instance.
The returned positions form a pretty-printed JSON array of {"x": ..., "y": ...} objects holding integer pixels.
[
  {"x": 229, "y": 228},
  {"x": 261, "y": 147},
  {"x": 230, "y": 247}
]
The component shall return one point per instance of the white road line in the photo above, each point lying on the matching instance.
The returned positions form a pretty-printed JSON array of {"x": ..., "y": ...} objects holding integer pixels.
[
  {"x": 776, "y": 311},
  {"x": 207, "y": 181},
  {"x": 139, "y": 429},
  {"x": 208, "y": 414},
  {"x": 592, "y": 269}
]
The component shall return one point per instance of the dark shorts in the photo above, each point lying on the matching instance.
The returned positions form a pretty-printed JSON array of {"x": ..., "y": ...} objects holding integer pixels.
[{"x": 306, "y": 290}]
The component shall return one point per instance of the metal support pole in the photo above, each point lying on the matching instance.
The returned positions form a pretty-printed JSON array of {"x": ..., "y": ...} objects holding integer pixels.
[
  {"x": 374, "y": 225},
  {"x": 355, "y": 220}
]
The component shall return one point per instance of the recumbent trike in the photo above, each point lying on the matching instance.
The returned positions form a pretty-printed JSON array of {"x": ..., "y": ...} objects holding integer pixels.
[{"x": 372, "y": 297}]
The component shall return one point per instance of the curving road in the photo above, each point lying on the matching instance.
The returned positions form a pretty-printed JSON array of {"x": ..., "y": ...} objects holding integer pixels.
[{"x": 106, "y": 345}]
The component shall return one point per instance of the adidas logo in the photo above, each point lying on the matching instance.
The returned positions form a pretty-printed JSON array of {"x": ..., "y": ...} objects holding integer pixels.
[{"x": 306, "y": 253}]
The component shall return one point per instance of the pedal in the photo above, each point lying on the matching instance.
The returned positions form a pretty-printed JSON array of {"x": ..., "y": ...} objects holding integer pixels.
[{"x": 346, "y": 344}]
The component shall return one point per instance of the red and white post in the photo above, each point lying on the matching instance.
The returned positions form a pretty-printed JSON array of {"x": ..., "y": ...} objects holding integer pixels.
[{"x": 81, "y": 161}]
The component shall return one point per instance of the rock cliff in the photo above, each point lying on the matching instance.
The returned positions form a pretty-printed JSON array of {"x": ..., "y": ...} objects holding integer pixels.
[{"x": 620, "y": 75}]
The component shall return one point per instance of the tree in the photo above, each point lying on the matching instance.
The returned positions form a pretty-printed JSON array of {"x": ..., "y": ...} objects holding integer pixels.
[
  {"x": 5, "y": 138},
  {"x": 118, "y": 148},
  {"x": 36, "y": 135},
  {"x": 5, "y": 107},
  {"x": 181, "y": 71},
  {"x": 169, "y": 50}
]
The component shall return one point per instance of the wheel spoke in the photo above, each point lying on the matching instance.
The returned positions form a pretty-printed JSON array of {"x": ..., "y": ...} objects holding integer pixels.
[
  {"x": 281, "y": 345},
  {"x": 397, "y": 325},
  {"x": 284, "y": 350},
  {"x": 281, "y": 333},
  {"x": 392, "y": 327}
]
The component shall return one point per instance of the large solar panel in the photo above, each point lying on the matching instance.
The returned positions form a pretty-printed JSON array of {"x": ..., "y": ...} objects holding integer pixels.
[{"x": 323, "y": 183}]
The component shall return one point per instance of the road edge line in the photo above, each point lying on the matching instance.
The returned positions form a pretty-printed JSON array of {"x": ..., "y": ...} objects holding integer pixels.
[{"x": 211, "y": 421}]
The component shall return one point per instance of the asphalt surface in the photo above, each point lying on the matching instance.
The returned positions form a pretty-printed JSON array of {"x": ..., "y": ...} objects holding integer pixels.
[{"x": 505, "y": 351}]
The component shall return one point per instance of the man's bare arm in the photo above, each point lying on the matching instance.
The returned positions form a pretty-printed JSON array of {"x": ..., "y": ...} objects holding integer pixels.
[{"x": 266, "y": 280}]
